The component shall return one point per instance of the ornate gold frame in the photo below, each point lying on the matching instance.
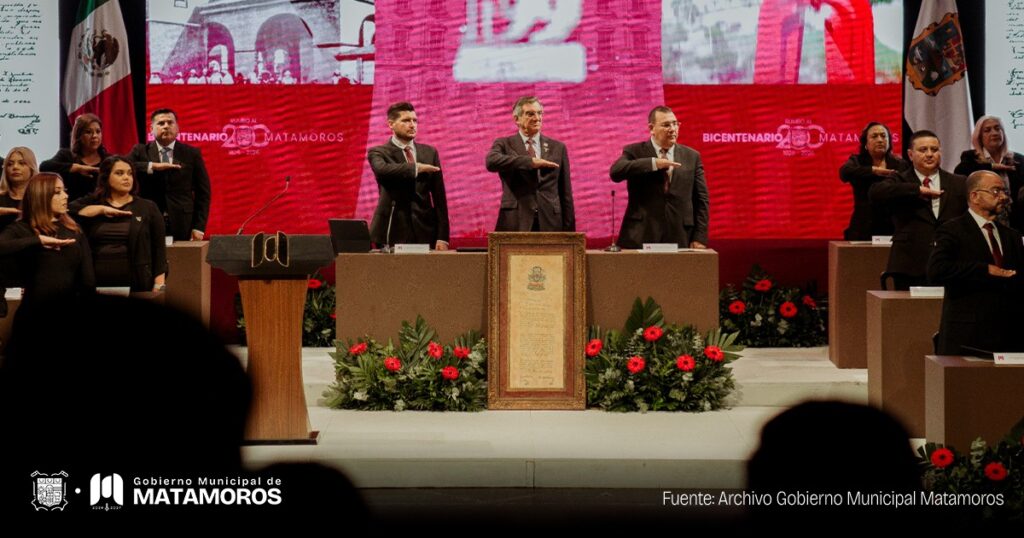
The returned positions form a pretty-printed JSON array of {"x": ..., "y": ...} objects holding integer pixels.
[{"x": 571, "y": 247}]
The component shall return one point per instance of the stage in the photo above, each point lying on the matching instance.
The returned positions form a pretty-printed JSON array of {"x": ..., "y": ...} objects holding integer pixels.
[{"x": 563, "y": 449}]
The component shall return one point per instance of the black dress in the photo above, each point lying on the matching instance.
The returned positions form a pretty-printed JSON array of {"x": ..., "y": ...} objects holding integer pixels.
[
  {"x": 127, "y": 251},
  {"x": 867, "y": 219},
  {"x": 77, "y": 185},
  {"x": 49, "y": 273}
]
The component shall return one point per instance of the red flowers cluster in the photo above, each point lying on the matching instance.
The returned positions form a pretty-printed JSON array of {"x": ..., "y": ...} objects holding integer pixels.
[
  {"x": 460, "y": 352},
  {"x": 314, "y": 284},
  {"x": 763, "y": 285},
  {"x": 435, "y": 350},
  {"x": 787, "y": 309},
  {"x": 635, "y": 364},
  {"x": 686, "y": 363},
  {"x": 942, "y": 458},
  {"x": 737, "y": 307},
  {"x": 357, "y": 349},
  {"x": 392, "y": 364},
  {"x": 653, "y": 333},
  {"x": 995, "y": 471},
  {"x": 450, "y": 373},
  {"x": 809, "y": 302},
  {"x": 714, "y": 353},
  {"x": 594, "y": 347}
]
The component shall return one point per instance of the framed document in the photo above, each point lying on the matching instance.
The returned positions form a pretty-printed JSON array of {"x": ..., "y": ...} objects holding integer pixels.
[{"x": 536, "y": 325}]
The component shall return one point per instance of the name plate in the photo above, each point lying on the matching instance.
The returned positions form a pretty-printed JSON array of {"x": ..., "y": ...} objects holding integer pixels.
[
  {"x": 117, "y": 291},
  {"x": 927, "y": 291},
  {"x": 881, "y": 239},
  {"x": 13, "y": 294},
  {"x": 1008, "y": 358},
  {"x": 661, "y": 247},
  {"x": 412, "y": 248}
]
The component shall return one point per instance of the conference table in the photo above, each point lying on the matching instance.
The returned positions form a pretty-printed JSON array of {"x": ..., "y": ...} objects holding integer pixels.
[
  {"x": 376, "y": 292},
  {"x": 967, "y": 398}
]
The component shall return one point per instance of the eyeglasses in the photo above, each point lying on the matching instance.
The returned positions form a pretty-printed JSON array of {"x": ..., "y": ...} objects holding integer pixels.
[{"x": 996, "y": 191}]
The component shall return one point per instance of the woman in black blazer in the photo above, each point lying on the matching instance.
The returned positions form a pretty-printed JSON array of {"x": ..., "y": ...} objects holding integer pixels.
[
  {"x": 873, "y": 163},
  {"x": 79, "y": 164},
  {"x": 52, "y": 255},
  {"x": 991, "y": 152},
  {"x": 126, "y": 232}
]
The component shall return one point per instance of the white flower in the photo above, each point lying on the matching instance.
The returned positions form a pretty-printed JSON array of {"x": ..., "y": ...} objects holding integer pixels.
[
  {"x": 399, "y": 405},
  {"x": 361, "y": 395}
]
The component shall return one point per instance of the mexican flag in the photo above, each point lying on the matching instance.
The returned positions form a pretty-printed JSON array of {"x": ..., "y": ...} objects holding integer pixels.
[{"x": 97, "y": 77}]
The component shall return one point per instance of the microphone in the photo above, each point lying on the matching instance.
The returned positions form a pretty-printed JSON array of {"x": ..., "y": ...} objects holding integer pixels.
[
  {"x": 387, "y": 248},
  {"x": 287, "y": 182},
  {"x": 614, "y": 247}
]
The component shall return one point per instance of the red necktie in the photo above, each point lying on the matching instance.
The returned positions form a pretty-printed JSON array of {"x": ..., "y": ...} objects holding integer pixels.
[
  {"x": 529, "y": 148},
  {"x": 997, "y": 253},
  {"x": 668, "y": 171},
  {"x": 927, "y": 182},
  {"x": 408, "y": 155}
]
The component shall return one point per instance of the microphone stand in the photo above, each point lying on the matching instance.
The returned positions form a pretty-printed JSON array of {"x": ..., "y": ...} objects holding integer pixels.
[
  {"x": 387, "y": 248},
  {"x": 287, "y": 182},
  {"x": 614, "y": 247}
]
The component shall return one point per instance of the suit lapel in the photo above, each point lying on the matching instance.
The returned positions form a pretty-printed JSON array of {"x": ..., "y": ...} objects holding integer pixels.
[{"x": 154, "y": 153}]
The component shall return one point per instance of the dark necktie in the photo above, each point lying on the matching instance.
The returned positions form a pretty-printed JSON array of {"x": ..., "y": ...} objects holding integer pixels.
[
  {"x": 997, "y": 253},
  {"x": 529, "y": 148},
  {"x": 668, "y": 171},
  {"x": 927, "y": 182},
  {"x": 165, "y": 154},
  {"x": 409, "y": 158}
]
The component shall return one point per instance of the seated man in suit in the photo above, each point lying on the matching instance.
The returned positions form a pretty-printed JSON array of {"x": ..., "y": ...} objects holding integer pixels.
[
  {"x": 173, "y": 174},
  {"x": 976, "y": 258},
  {"x": 536, "y": 191},
  {"x": 919, "y": 200},
  {"x": 668, "y": 198},
  {"x": 411, "y": 186}
]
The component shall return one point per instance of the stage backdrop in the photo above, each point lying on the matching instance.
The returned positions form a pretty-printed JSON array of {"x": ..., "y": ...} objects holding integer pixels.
[{"x": 772, "y": 93}]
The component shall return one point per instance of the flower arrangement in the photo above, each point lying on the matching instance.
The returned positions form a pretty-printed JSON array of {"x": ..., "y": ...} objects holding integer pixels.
[
  {"x": 317, "y": 319},
  {"x": 653, "y": 366},
  {"x": 419, "y": 373},
  {"x": 994, "y": 470},
  {"x": 766, "y": 314}
]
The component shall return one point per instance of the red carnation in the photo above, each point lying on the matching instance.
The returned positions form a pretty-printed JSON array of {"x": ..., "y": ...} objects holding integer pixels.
[
  {"x": 686, "y": 363},
  {"x": 942, "y": 458},
  {"x": 594, "y": 347},
  {"x": 714, "y": 353},
  {"x": 460, "y": 352},
  {"x": 450, "y": 373},
  {"x": 787, "y": 309},
  {"x": 314, "y": 284},
  {"x": 737, "y": 307},
  {"x": 435, "y": 350},
  {"x": 809, "y": 302},
  {"x": 763, "y": 285},
  {"x": 995, "y": 471},
  {"x": 334, "y": 316},
  {"x": 652, "y": 333},
  {"x": 358, "y": 349},
  {"x": 392, "y": 363},
  {"x": 635, "y": 365}
]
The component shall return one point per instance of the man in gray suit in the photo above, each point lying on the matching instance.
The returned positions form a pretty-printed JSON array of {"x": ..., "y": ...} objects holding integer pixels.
[
  {"x": 668, "y": 198},
  {"x": 413, "y": 207},
  {"x": 536, "y": 192}
]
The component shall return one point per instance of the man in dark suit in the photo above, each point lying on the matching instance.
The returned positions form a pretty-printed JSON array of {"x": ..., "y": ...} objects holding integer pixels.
[
  {"x": 668, "y": 197},
  {"x": 411, "y": 186},
  {"x": 919, "y": 200},
  {"x": 976, "y": 258},
  {"x": 536, "y": 191},
  {"x": 173, "y": 175}
]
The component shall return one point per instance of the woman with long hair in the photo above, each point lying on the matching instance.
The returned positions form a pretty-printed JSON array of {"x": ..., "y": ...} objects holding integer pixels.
[
  {"x": 52, "y": 254},
  {"x": 991, "y": 152},
  {"x": 79, "y": 164},
  {"x": 19, "y": 166},
  {"x": 873, "y": 163},
  {"x": 125, "y": 232}
]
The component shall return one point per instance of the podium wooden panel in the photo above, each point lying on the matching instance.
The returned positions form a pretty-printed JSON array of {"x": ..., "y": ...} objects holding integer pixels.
[
  {"x": 188, "y": 279},
  {"x": 853, "y": 268},
  {"x": 376, "y": 292},
  {"x": 966, "y": 399},
  {"x": 899, "y": 335},
  {"x": 273, "y": 321}
]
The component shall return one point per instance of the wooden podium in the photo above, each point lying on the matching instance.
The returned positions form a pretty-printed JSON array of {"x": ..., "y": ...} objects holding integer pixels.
[{"x": 273, "y": 273}]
